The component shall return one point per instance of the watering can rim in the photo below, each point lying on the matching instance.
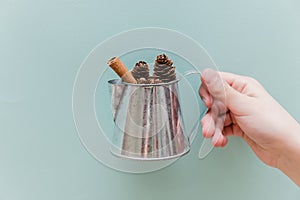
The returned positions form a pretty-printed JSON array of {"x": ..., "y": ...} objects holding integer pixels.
[{"x": 120, "y": 82}]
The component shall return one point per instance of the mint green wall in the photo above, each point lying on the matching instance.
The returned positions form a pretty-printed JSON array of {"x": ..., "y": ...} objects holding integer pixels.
[{"x": 42, "y": 44}]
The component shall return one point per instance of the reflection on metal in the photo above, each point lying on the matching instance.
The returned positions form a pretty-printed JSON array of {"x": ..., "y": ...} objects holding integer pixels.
[{"x": 148, "y": 121}]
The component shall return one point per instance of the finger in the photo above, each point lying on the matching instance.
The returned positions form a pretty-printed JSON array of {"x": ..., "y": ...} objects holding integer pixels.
[
  {"x": 214, "y": 84},
  {"x": 235, "y": 100},
  {"x": 225, "y": 141},
  {"x": 230, "y": 78},
  {"x": 220, "y": 121},
  {"x": 220, "y": 106},
  {"x": 228, "y": 119},
  {"x": 214, "y": 112},
  {"x": 205, "y": 96},
  {"x": 219, "y": 139},
  {"x": 208, "y": 125},
  {"x": 240, "y": 83}
]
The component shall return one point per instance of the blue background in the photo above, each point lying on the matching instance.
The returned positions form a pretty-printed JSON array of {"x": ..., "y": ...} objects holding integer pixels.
[{"x": 43, "y": 43}]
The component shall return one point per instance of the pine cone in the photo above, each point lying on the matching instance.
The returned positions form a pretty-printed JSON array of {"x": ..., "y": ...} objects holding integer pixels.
[
  {"x": 163, "y": 69},
  {"x": 154, "y": 80},
  {"x": 163, "y": 59},
  {"x": 143, "y": 81},
  {"x": 140, "y": 70}
]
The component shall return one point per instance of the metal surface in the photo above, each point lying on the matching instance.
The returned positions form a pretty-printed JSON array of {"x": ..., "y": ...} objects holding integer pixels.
[{"x": 148, "y": 121}]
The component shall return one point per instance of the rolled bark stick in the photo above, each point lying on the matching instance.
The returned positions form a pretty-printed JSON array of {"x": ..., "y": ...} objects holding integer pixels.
[{"x": 116, "y": 64}]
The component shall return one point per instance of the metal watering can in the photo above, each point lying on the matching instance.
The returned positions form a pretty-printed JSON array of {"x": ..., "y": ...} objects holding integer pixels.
[{"x": 148, "y": 121}]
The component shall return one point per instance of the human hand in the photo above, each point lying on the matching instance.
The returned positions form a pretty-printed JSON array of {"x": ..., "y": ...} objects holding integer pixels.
[{"x": 240, "y": 106}]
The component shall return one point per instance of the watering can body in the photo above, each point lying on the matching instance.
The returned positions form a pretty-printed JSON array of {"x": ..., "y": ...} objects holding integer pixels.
[{"x": 148, "y": 121}]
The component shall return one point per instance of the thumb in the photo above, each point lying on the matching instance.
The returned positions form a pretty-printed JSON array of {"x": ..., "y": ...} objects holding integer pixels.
[{"x": 221, "y": 91}]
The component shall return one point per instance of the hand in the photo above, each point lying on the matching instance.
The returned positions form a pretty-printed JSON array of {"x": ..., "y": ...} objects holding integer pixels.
[{"x": 240, "y": 106}]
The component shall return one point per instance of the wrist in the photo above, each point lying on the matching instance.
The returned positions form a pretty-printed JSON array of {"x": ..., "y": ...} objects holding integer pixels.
[{"x": 289, "y": 161}]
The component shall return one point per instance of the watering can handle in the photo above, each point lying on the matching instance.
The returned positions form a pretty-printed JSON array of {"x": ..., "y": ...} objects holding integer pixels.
[{"x": 206, "y": 146}]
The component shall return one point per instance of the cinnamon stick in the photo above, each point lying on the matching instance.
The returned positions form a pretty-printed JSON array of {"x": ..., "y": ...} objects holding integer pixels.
[{"x": 117, "y": 65}]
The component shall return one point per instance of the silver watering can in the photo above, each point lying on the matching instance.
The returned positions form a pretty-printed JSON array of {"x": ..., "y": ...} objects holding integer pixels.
[{"x": 148, "y": 121}]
